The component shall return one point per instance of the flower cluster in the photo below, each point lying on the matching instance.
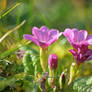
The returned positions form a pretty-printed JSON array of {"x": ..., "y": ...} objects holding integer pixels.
[
  {"x": 79, "y": 39},
  {"x": 44, "y": 37},
  {"x": 80, "y": 42}
]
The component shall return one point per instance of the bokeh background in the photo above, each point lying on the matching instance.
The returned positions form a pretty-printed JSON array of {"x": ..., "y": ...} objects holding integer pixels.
[{"x": 57, "y": 14}]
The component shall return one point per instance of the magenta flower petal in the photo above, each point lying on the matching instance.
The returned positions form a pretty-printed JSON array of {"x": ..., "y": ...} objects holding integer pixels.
[
  {"x": 69, "y": 34},
  {"x": 76, "y": 37},
  {"x": 82, "y": 35},
  {"x": 43, "y": 37},
  {"x": 73, "y": 52},
  {"x": 44, "y": 34},
  {"x": 43, "y": 44},
  {"x": 54, "y": 35},
  {"x": 81, "y": 57},
  {"x": 89, "y": 53},
  {"x": 80, "y": 41},
  {"x": 53, "y": 61},
  {"x": 35, "y": 32},
  {"x": 53, "y": 32},
  {"x": 44, "y": 28},
  {"x": 84, "y": 57},
  {"x": 41, "y": 34},
  {"x": 31, "y": 38},
  {"x": 89, "y": 39}
]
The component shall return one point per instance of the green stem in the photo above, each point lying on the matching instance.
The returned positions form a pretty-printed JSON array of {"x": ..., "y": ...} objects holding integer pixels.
[
  {"x": 73, "y": 72},
  {"x": 12, "y": 30},
  {"x": 52, "y": 79},
  {"x": 44, "y": 58}
]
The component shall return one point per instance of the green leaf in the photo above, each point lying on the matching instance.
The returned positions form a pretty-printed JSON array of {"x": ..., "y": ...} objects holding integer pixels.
[
  {"x": 4, "y": 82},
  {"x": 83, "y": 84},
  {"x": 30, "y": 62},
  {"x": 8, "y": 52},
  {"x": 9, "y": 10},
  {"x": 27, "y": 62}
]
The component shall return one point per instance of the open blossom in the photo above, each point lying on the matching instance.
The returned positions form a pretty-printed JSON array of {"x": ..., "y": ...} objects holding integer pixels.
[
  {"x": 78, "y": 38},
  {"x": 53, "y": 61},
  {"x": 80, "y": 41},
  {"x": 43, "y": 37},
  {"x": 82, "y": 57}
]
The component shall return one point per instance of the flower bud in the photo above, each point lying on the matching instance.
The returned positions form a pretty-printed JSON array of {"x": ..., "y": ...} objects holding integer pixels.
[
  {"x": 73, "y": 72},
  {"x": 53, "y": 61},
  {"x": 62, "y": 80}
]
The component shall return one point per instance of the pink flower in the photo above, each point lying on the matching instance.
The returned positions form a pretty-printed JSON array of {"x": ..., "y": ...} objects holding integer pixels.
[
  {"x": 43, "y": 37},
  {"x": 53, "y": 61},
  {"x": 80, "y": 41},
  {"x": 20, "y": 54},
  {"x": 81, "y": 57},
  {"x": 77, "y": 38}
]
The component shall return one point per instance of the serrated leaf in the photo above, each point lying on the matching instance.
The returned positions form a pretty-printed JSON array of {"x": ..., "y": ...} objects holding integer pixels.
[
  {"x": 27, "y": 48},
  {"x": 29, "y": 61},
  {"x": 83, "y": 84}
]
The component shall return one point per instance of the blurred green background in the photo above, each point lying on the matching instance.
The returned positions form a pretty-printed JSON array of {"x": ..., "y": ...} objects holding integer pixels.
[{"x": 59, "y": 14}]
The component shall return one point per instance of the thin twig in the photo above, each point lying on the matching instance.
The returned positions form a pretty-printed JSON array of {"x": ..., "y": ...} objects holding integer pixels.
[
  {"x": 12, "y": 30},
  {"x": 9, "y": 10}
]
